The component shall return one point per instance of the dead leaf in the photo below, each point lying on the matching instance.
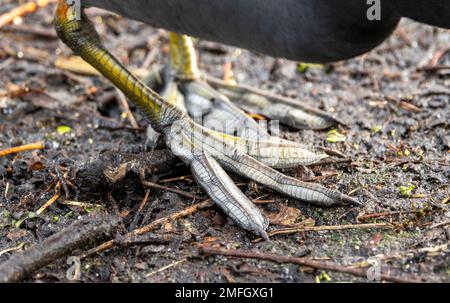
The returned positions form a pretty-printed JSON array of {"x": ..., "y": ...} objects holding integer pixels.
[
  {"x": 287, "y": 216},
  {"x": 16, "y": 233}
]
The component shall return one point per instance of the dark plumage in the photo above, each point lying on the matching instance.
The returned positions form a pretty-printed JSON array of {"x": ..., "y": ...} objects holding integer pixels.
[{"x": 306, "y": 30}]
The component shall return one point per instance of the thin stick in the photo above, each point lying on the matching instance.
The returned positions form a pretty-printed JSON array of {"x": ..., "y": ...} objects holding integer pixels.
[
  {"x": 22, "y": 148},
  {"x": 150, "y": 227},
  {"x": 144, "y": 201},
  {"x": 52, "y": 199},
  {"x": 266, "y": 201},
  {"x": 126, "y": 109},
  {"x": 433, "y": 68},
  {"x": 288, "y": 231},
  {"x": 79, "y": 234},
  {"x": 22, "y": 10},
  {"x": 40, "y": 32},
  {"x": 181, "y": 178},
  {"x": 174, "y": 190},
  {"x": 81, "y": 204},
  {"x": 139, "y": 210},
  {"x": 165, "y": 267},
  {"x": 359, "y": 272},
  {"x": 384, "y": 214},
  {"x": 8, "y": 250},
  {"x": 440, "y": 224}
]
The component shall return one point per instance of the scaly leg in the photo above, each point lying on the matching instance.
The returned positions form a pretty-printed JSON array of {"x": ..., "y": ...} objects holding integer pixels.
[{"x": 206, "y": 151}]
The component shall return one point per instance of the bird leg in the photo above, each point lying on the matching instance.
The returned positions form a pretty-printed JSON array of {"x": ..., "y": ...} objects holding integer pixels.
[{"x": 209, "y": 153}]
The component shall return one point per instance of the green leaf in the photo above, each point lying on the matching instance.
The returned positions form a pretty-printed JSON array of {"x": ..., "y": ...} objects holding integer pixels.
[
  {"x": 376, "y": 129},
  {"x": 30, "y": 215},
  {"x": 406, "y": 191},
  {"x": 333, "y": 136},
  {"x": 302, "y": 67},
  {"x": 63, "y": 129}
]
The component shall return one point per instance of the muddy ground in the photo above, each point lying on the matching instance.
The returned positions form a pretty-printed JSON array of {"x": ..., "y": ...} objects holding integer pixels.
[{"x": 395, "y": 99}]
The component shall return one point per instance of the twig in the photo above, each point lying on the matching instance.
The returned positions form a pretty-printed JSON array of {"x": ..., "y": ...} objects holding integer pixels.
[
  {"x": 41, "y": 32},
  {"x": 78, "y": 235},
  {"x": 440, "y": 224},
  {"x": 22, "y": 148},
  {"x": 126, "y": 109},
  {"x": 22, "y": 10},
  {"x": 404, "y": 105},
  {"x": 150, "y": 227},
  {"x": 331, "y": 161},
  {"x": 384, "y": 214},
  {"x": 62, "y": 180},
  {"x": 146, "y": 239},
  {"x": 52, "y": 199},
  {"x": 265, "y": 201},
  {"x": 433, "y": 68},
  {"x": 174, "y": 190},
  {"x": 170, "y": 180},
  {"x": 81, "y": 204},
  {"x": 20, "y": 246},
  {"x": 288, "y": 231},
  {"x": 165, "y": 267},
  {"x": 360, "y": 272},
  {"x": 438, "y": 56},
  {"x": 140, "y": 208}
]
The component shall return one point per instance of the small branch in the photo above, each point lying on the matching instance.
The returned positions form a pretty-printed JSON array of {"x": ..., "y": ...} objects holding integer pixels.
[
  {"x": 181, "y": 178},
  {"x": 433, "y": 68},
  {"x": 440, "y": 224},
  {"x": 150, "y": 227},
  {"x": 126, "y": 109},
  {"x": 12, "y": 249},
  {"x": 166, "y": 267},
  {"x": 359, "y": 272},
  {"x": 140, "y": 209},
  {"x": 78, "y": 235},
  {"x": 384, "y": 214},
  {"x": 288, "y": 231},
  {"x": 52, "y": 199},
  {"x": 40, "y": 32},
  {"x": 22, "y": 148},
  {"x": 174, "y": 190}
]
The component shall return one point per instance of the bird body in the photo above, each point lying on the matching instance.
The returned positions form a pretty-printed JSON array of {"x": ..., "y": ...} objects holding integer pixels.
[{"x": 306, "y": 30}]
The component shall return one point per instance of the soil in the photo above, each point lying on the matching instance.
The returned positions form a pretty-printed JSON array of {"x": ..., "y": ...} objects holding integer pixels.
[{"x": 395, "y": 99}]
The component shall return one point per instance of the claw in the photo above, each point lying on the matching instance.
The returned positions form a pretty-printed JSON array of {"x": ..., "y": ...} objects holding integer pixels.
[
  {"x": 227, "y": 195},
  {"x": 251, "y": 168}
]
